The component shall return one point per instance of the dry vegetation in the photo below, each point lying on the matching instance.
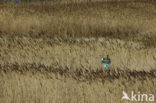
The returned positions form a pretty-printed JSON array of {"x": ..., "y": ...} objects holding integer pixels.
[
  {"x": 92, "y": 19},
  {"x": 51, "y": 52}
]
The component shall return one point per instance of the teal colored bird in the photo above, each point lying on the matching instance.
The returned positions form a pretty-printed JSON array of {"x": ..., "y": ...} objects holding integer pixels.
[{"x": 106, "y": 61}]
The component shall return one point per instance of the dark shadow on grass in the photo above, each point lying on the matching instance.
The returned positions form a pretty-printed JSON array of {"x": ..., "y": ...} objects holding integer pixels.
[{"x": 80, "y": 74}]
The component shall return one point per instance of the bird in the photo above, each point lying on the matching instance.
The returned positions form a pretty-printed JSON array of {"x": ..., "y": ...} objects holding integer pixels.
[{"x": 125, "y": 96}]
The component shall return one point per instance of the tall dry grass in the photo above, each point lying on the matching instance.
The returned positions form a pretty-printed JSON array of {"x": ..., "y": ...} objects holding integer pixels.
[
  {"x": 33, "y": 86},
  {"x": 51, "y": 52},
  {"x": 124, "y": 20},
  {"x": 77, "y": 53},
  {"x": 51, "y": 71}
]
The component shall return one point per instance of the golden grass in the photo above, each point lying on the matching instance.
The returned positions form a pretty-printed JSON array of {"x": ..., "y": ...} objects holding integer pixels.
[
  {"x": 51, "y": 52},
  {"x": 77, "y": 53},
  {"x": 58, "y": 71},
  {"x": 91, "y": 19},
  {"x": 33, "y": 86}
]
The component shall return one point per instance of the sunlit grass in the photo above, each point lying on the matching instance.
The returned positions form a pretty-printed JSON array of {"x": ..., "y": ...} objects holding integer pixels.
[{"x": 51, "y": 52}]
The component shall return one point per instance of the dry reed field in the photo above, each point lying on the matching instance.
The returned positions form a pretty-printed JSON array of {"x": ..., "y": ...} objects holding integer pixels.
[{"x": 50, "y": 52}]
